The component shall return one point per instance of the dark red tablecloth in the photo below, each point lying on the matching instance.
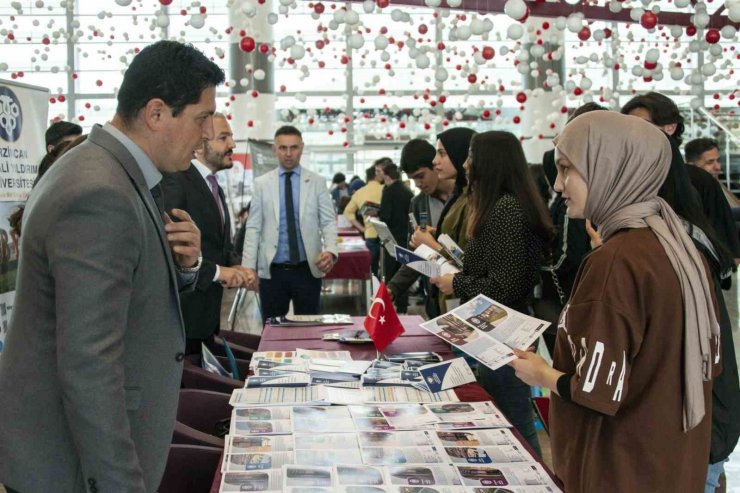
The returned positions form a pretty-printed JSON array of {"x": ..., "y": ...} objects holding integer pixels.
[
  {"x": 354, "y": 260},
  {"x": 348, "y": 232},
  {"x": 411, "y": 324},
  {"x": 415, "y": 339}
]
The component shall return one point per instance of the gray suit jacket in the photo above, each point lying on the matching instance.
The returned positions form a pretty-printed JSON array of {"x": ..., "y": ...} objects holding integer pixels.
[
  {"x": 318, "y": 221},
  {"x": 90, "y": 374}
]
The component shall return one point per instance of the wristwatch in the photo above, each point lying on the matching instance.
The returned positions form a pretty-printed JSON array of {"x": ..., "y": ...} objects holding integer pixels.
[{"x": 190, "y": 270}]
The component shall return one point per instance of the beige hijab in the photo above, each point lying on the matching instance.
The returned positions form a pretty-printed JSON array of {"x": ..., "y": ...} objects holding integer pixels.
[{"x": 624, "y": 161}]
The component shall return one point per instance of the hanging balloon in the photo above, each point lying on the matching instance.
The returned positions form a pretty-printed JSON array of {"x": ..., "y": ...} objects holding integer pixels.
[
  {"x": 712, "y": 36},
  {"x": 649, "y": 20},
  {"x": 488, "y": 52},
  {"x": 584, "y": 33},
  {"x": 521, "y": 98},
  {"x": 247, "y": 44},
  {"x": 516, "y": 9}
]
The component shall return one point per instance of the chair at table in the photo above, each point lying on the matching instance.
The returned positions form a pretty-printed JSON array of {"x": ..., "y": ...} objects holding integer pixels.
[
  {"x": 195, "y": 377},
  {"x": 199, "y": 413},
  {"x": 249, "y": 341},
  {"x": 542, "y": 408},
  {"x": 190, "y": 469}
]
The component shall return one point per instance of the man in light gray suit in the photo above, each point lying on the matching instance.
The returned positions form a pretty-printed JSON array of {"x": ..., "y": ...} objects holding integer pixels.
[
  {"x": 90, "y": 375},
  {"x": 291, "y": 236}
]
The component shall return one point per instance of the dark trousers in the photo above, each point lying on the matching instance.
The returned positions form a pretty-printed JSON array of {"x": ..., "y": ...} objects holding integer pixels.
[
  {"x": 192, "y": 346},
  {"x": 512, "y": 396},
  {"x": 390, "y": 267},
  {"x": 373, "y": 244},
  {"x": 11, "y": 490},
  {"x": 290, "y": 283}
]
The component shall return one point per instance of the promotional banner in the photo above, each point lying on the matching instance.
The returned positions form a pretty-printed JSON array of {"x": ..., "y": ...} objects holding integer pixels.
[{"x": 23, "y": 121}]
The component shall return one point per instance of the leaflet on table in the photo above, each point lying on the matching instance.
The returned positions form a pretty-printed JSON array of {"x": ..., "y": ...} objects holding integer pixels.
[
  {"x": 307, "y": 476},
  {"x": 326, "y": 441},
  {"x": 278, "y": 396},
  {"x": 423, "y": 475},
  {"x": 447, "y": 374},
  {"x": 285, "y": 357},
  {"x": 386, "y": 456},
  {"x": 299, "y": 366},
  {"x": 414, "y": 356},
  {"x": 409, "y": 394},
  {"x": 327, "y": 457},
  {"x": 352, "y": 336},
  {"x": 476, "y": 438},
  {"x": 528, "y": 474},
  {"x": 425, "y": 261},
  {"x": 390, "y": 377},
  {"x": 329, "y": 377},
  {"x": 357, "y": 367},
  {"x": 356, "y": 475},
  {"x": 260, "y": 443},
  {"x": 395, "y": 438},
  {"x": 452, "y": 249},
  {"x": 391, "y": 417},
  {"x": 385, "y": 235},
  {"x": 256, "y": 461},
  {"x": 512, "y": 489},
  {"x": 310, "y": 320},
  {"x": 468, "y": 411},
  {"x": 317, "y": 354},
  {"x": 285, "y": 380},
  {"x": 271, "y": 480},
  {"x": 494, "y": 454},
  {"x": 261, "y": 413},
  {"x": 322, "y": 419},
  {"x": 244, "y": 428},
  {"x": 487, "y": 330}
]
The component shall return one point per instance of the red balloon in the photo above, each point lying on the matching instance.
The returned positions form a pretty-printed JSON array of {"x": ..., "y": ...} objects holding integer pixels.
[
  {"x": 247, "y": 44},
  {"x": 264, "y": 48},
  {"x": 382, "y": 3},
  {"x": 584, "y": 33},
  {"x": 472, "y": 78},
  {"x": 488, "y": 52},
  {"x": 712, "y": 36},
  {"x": 423, "y": 29},
  {"x": 690, "y": 30},
  {"x": 319, "y": 8},
  {"x": 521, "y": 97},
  {"x": 165, "y": 2},
  {"x": 649, "y": 20}
]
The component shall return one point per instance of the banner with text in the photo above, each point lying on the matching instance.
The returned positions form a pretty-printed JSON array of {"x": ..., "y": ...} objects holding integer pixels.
[{"x": 23, "y": 120}]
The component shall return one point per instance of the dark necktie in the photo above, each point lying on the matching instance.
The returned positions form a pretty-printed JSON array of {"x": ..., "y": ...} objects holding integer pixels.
[
  {"x": 158, "y": 197},
  {"x": 213, "y": 185},
  {"x": 290, "y": 214}
]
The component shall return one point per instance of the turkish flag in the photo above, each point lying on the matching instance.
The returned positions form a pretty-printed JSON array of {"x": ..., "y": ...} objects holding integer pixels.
[{"x": 382, "y": 321}]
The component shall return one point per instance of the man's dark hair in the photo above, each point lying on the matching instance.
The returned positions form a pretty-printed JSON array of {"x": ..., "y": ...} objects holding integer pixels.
[
  {"x": 174, "y": 72},
  {"x": 697, "y": 147},
  {"x": 662, "y": 109},
  {"x": 585, "y": 108},
  {"x": 288, "y": 130},
  {"x": 391, "y": 170},
  {"x": 417, "y": 154},
  {"x": 338, "y": 178},
  {"x": 370, "y": 174},
  {"x": 59, "y": 130},
  {"x": 383, "y": 161}
]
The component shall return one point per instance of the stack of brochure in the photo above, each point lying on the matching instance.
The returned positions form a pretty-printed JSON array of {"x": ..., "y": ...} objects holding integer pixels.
[
  {"x": 310, "y": 320},
  {"x": 400, "y": 448}
]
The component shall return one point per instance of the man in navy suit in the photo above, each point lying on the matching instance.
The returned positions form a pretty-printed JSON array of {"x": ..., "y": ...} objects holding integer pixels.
[{"x": 197, "y": 191}]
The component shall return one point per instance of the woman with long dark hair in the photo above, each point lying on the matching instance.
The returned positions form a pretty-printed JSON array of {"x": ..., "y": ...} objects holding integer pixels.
[{"x": 508, "y": 227}]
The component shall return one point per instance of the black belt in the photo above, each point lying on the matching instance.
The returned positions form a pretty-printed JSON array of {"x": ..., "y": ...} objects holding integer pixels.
[{"x": 288, "y": 266}]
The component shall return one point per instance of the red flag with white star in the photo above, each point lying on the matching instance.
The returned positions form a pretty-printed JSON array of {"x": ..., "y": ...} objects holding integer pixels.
[{"x": 382, "y": 322}]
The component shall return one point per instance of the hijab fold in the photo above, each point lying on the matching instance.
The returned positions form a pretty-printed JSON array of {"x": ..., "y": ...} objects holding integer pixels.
[{"x": 624, "y": 161}]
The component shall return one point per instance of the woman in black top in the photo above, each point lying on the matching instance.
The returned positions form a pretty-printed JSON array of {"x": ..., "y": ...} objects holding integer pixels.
[{"x": 508, "y": 228}]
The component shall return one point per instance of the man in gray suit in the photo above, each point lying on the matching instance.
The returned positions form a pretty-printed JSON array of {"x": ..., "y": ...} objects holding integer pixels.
[
  {"x": 91, "y": 370},
  {"x": 291, "y": 238}
]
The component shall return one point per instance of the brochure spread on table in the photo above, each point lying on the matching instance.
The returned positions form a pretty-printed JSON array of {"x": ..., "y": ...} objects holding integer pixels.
[{"x": 487, "y": 330}]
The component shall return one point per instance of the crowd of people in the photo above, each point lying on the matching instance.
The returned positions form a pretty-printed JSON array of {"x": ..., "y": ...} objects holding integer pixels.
[{"x": 128, "y": 245}]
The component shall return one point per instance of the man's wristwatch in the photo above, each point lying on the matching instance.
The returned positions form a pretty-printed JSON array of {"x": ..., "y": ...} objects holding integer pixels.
[{"x": 190, "y": 270}]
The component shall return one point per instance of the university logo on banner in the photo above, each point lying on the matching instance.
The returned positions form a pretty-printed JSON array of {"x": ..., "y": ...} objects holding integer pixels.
[{"x": 11, "y": 115}]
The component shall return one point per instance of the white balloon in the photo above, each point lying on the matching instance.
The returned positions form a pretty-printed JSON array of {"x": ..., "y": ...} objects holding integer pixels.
[
  {"x": 356, "y": 41},
  {"x": 733, "y": 11},
  {"x": 515, "y": 31},
  {"x": 636, "y": 13},
  {"x": 574, "y": 23},
  {"x": 516, "y": 9},
  {"x": 287, "y": 42},
  {"x": 339, "y": 16},
  {"x": 537, "y": 50},
  {"x": 716, "y": 49},
  {"x": 122, "y": 3},
  {"x": 352, "y": 17},
  {"x": 728, "y": 32},
  {"x": 297, "y": 52},
  {"x": 259, "y": 74},
  {"x": 197, "y": 21},
  {"x": 477, "y": 27},
  {"x": 272, "y": 18},
  {"x": 561, "y": 22},
  {"x": 637, "y": 71},
  {"x": 652, "y": 55},
  {"x": 463, "y": 33},
  {"x": 696, "y": 103},
  {"x": 381, "y": 42},
  {"x": 695, "y": 79},
  {"x": 244, "y": 82},
  {"x": 368, "y": 6},
  {"x": 422, "y": 61},
  {"x": 385, "y": 56},
  {"x": 162, "y": 20},
  {"x": 598, "y": 35},
  {"x": 586, "y": 83},
  {"x": 677, "y": 73},
  {"x": 523, "y": 69},
  {"x": 708, "y": 69},
  {"x": 701, "y": 20},
  {"x": 615, "y": 7},
  {"x": 676, "y": 31},
  {"x": 503, "y": 50},
  {"x": 440, "y": 75},
  {"x": 478, "y": 58},
  {"x": 433, "y": 3},
  {"x": 396, "y": 15}
]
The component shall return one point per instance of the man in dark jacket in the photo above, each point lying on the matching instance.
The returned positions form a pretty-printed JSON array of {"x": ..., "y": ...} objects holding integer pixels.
[
  {"x": 416, "y": 161},
  {"x": 394, "y": 207}
]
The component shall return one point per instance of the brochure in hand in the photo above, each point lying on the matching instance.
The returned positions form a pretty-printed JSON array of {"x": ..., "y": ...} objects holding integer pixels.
[
  {"x": 487, "y": 331},
  {"x": 426, "y": 261}
]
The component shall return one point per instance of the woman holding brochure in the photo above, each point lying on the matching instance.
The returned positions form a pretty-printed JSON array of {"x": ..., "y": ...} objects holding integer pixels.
[
  {"x": 507, "y": 228},
  {"x": 637, "y": 344}
]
